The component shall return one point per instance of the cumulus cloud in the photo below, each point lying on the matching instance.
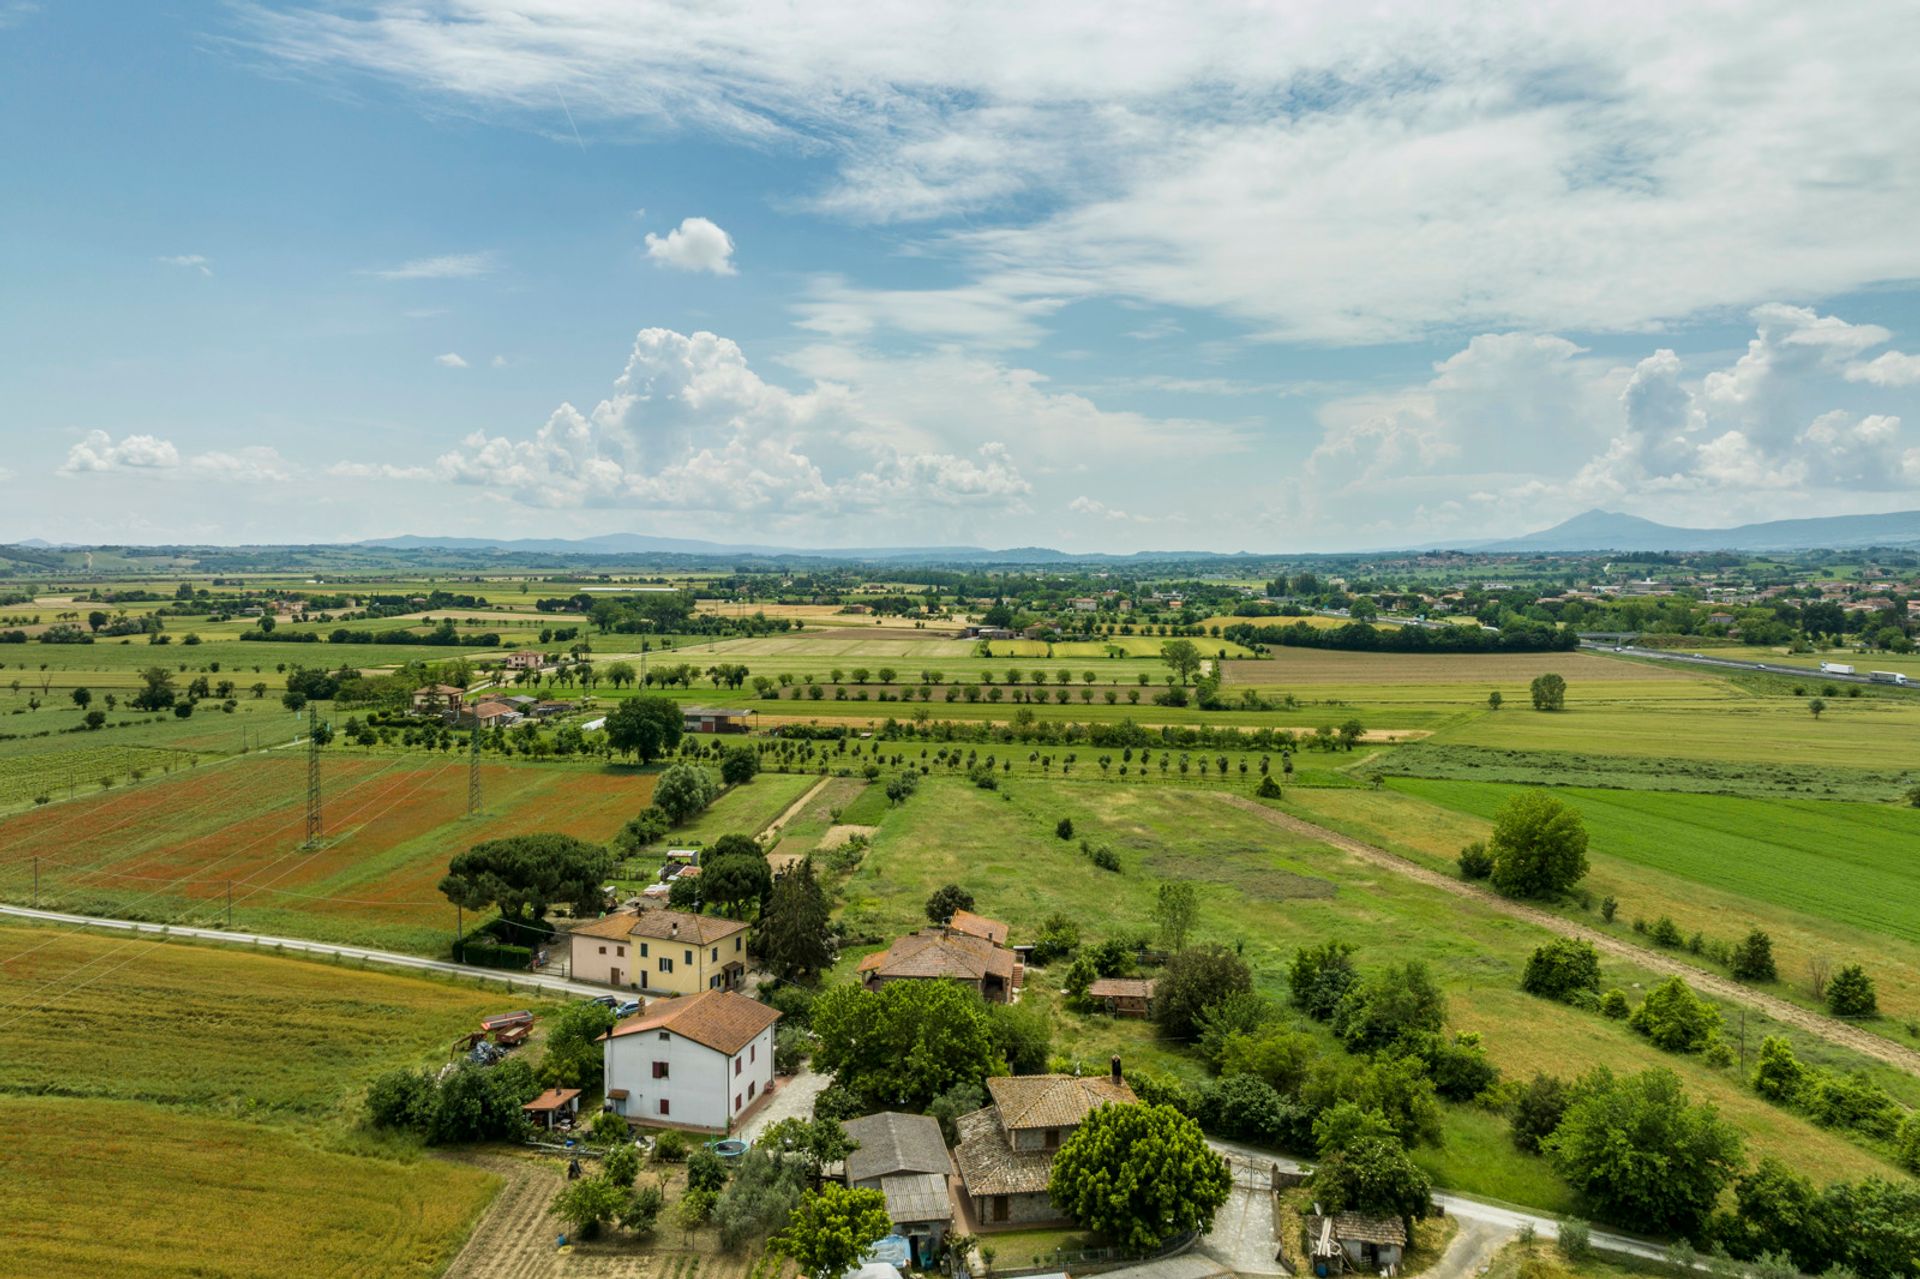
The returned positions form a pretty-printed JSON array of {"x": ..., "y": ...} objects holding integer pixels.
[
  {"x": 695, "y": 245},
  {"x": 1314, "y": 173},
  {"x": 448, "y": 266},
  {"x": 1554, "y": 428},
  {"x": 690, "y": 427},
  {"x": 192, "y": 261},
  {"x": 1097, "y": 509},
  {"x": 451, "y": 360},
  {"x": 1891, "y": 368},
  {"x": 99, "y": 451}
]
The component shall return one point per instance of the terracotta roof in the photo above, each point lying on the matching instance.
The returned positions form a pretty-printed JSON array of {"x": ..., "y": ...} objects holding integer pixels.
[
  {"x": 1121, "y": 988},
  {"x": 1053, "y": 1101},
  {"x": 614, "y": 927},
  {"x": 682, "y": 926},
  {"x": 937, "y": 953},
  {"x": 552, "y": 1099},
  {"x": 989, "y": 1165},
  {"x": 965, "y": 921},
  {"x": 720, "y": 1019},
  {"x": 891, "y": 1142}
]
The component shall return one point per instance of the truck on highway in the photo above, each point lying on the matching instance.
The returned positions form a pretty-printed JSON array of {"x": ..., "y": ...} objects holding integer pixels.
[
  {"x": 1835, "y": 668},
  {"x": 1888, "y": 677}
]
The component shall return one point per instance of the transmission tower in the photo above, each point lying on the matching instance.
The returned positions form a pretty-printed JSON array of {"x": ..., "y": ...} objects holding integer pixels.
[
  {"x": 473, "y": 769},
  {"x": 313, "y": 778}
]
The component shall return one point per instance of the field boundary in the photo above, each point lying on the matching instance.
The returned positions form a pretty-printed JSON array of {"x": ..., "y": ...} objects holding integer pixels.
[{"x": 1831, "y": 1029}]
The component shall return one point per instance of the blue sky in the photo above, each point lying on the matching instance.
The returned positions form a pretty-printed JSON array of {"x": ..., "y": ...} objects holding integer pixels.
[{"x": 1101, "y": 277}]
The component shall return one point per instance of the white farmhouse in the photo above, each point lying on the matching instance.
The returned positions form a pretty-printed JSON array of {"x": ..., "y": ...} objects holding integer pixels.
[{"x": 699, "y": 1061}]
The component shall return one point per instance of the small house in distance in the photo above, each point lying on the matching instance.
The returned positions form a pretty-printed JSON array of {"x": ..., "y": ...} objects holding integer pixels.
[
  {"x": 1123, "y": 996},
  {"x": 1006, "y": 1149},
  {"x": 438, "y": 699},
  {"x": 1371, "y": 1245},
  {"x": 905, "y": 1159},
  {"x": 715, "y": 719},
  {"x": 700, "y": 1061},
  {"x": 526, "y": 659},
  {"x": 940, "y": 954}
]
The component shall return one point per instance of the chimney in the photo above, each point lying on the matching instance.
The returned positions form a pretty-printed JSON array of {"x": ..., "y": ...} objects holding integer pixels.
[
  {"x": 674, "y": 931},
  {"x": 1114, "y": 1067}
]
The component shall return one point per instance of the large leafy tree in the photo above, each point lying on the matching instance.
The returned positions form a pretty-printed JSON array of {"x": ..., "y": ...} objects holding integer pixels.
[
  {"x": 683, "y": 791},
  {"x": 574, "y": 1054},
  {"x": 796, "y": 927},
  {"x": 1139, "y": 1175},
  {"x": 904, "y": 1044},
  {"x": 645, "y": 726},
  {"x": 1562, "y": 968},
  {"x": 1373, "y": 1174},
  {"x": 523, "y": 875},
  {"x": 1642, "y": 1154},
  {"x": 1194, "y": 981},
  {"x": 1675, "y": 1018},
  {"x": 1539, "y": 846},
  {"x": 733, "y": 882},
  {"x": 833, "y": 1228},
  {"x": 1397, "y": 1002}
]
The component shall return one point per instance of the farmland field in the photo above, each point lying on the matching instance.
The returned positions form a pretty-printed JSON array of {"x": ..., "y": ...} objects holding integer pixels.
[
  {"x": 1265, "y": 892},
  {"x": 169, "y": 848},
  {"x": 1823, "y": 878},
  {"x": 151, "y": 1193}
]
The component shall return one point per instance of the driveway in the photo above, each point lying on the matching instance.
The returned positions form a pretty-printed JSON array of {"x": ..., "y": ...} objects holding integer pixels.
[
  {"x": 792, "y": 1098},
  {"x": 1242, "y": 1236}
]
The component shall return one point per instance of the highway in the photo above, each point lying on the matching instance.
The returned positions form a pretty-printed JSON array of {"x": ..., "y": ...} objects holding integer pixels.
[{"x": 1732, "y": 664}]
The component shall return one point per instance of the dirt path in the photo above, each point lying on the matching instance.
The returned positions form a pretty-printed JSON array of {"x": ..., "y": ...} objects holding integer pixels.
[
  {"x": 1829, "y": 1028},
  {"x": 515, "y": 1235},
  {"x": 779, "y": 823}
]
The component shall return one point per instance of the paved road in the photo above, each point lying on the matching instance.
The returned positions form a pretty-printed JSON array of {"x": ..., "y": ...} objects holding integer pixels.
[
  {"x": 298, "y": 945},
  {"x": 1732, "y": 664},
  {"x": 1495, "y": 1217}
]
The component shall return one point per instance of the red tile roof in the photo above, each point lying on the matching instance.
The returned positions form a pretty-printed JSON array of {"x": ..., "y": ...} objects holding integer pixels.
[{"x": 719, "y": 1019}]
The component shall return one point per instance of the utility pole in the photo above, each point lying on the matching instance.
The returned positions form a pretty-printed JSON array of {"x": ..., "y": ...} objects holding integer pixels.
[
  {"x": 36, "y": 883},
  {"x": 313, "y": 778},
  {"x": 229, "y": 903},
  {"x": 473, "y": 768}
]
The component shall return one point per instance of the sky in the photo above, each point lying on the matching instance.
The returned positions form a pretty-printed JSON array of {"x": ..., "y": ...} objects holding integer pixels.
[{"x": 1205, "y": 276}]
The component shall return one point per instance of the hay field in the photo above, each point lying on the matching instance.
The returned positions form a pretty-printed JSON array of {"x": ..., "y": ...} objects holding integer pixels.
[{"x": 1288, "y": 667}]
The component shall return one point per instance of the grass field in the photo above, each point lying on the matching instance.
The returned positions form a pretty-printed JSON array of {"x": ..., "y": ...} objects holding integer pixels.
[
  {"x": 746, "y": 809},
  {"x": 1266, "y": 892},
  {"x": 1713, "y": 863},
  {"x": 114, "y": 1187},
  {"x": 217, "y": 1029},
  {"x": 190, "y": 1110},
  {"x": 169, "y": 848}
]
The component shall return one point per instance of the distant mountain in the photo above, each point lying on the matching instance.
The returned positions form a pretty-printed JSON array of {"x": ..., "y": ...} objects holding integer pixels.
[
  {"x": 645, "y": 544},
  {"x": 1612, "y": 531}
]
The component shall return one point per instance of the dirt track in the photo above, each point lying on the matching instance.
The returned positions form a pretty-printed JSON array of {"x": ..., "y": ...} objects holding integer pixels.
[{"x": 1829, "y": 1028}]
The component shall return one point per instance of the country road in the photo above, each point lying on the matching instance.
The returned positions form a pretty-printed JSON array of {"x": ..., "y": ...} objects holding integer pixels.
[
  {"x": 1831, "y": 1029},
  {"x": 1735, "y": 664},
  {"x": 325, "y": 950}
]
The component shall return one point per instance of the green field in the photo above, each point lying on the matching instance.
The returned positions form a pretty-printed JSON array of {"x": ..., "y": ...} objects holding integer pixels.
[
  {"x": 194, "y": 1111},
  {"x": 1265, "y": 892}
]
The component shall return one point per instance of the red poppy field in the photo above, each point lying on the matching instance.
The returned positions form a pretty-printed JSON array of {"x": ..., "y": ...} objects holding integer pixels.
[{"x": 174, "y": 848}]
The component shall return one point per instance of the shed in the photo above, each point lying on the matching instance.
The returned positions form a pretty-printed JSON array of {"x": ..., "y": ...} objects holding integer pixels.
[
  {"x": 554, "y": 1106},
  {"x": 1123, "y": 996},
  {"x": 1364, "y": 1243}
]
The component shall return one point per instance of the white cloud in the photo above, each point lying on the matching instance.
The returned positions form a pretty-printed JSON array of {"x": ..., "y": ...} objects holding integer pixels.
[
  {"x": 497, "y": 362},
  {"x": 380, "y": 471},
  {"x": 695, "y": 245},
  {"x": 451, "y": 360},
  {"x": 1891, "y": 368},
  {"x": 98, "y": 451},
  {"x": 449, "y": 266},
  {"x": 193, "y": 261},
  {"x": 1097, "y": 509},
  {"x": 1314, "y": 173}
]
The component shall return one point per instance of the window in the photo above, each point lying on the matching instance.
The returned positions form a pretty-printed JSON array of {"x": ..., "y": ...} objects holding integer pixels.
[
  {"x": 664, "y": 1108},
  {"x": 643, "y": 979},
  {"x": 687, "y": 958},
  {"x": 715, "y": 956},
  {"x": 620, "y": 950},
  {"x": 750, "y": 1087},
  {"x": 736, "y": 1101},
  {"x": 643, "y": 950},
  {"x": 659, "y": 1070},
  {"x": 753, "y": 1052},
  {"x": 603, "y": 950},
  {"x": 1053, "y": 1138},
  {"x": 736, "y": 1065},
  {"x": 665, "y": 1036},
  {"x": 736, "y": 944},
  {"x": 666, "y": 965}
]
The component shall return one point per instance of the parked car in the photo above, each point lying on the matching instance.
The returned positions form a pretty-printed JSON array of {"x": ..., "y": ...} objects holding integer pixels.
[
  {"x": 605, "y": 1001},
  {"x": 628, "y": 1009}
]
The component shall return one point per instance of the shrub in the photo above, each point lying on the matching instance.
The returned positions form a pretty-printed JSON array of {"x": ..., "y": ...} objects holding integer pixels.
[
  {"x": 1105, "y": 858},
  {"x": 1666, "y": 933},
  {"x": 1752, "y": 959},
  {"x": 947, "y": 900},
  {"x": 670, "y": 1146},
  {"x": 706, "y": 1170},
  {"x": 1194, "y": 981},
  {"x": 1674, "y": 1018},
  {"x": 1614, "y": 1005},
  {"x": 1475, "y": 861},
  {"x": 1064, "y": 828},
  {"x": 1320, "y": 976},
  {"x": 1268, "y": 788},
  {"x": 1562, "y": 967},
  {"x": 1850, "y": 993},
  {"x": 1574, "y": 1241},
  {"x": 1609, "y": 907},
  {"x": 1536, "y": 1110}
]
